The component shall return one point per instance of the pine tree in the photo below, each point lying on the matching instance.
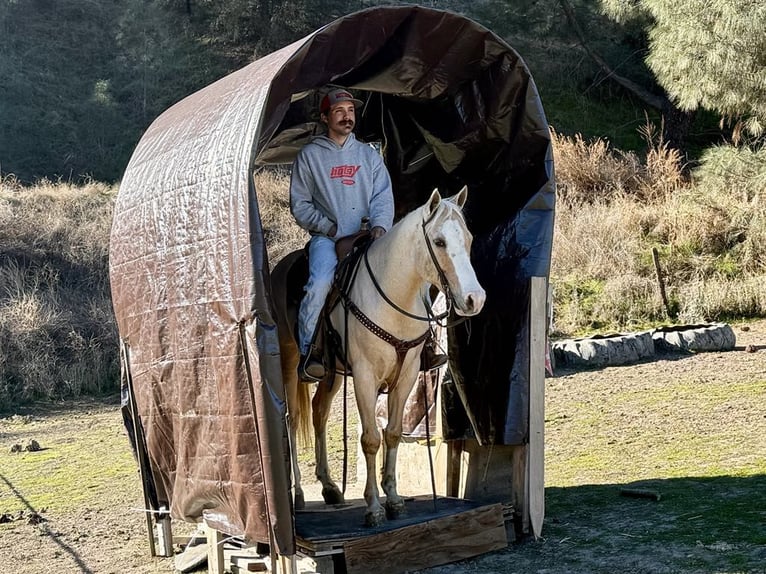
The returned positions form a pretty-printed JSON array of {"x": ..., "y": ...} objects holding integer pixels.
[{"x": 708, "y": 54}]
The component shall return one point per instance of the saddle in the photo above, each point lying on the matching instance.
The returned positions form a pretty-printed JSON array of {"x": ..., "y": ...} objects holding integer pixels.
[{"x": 327, "y": 341}]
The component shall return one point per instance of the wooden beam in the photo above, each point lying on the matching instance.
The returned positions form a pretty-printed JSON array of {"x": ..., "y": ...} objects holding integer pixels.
[
  {"x": 520, "y": 492},
  {"x": 164, "y": 533},
  {"x": 141, "y": 453}
]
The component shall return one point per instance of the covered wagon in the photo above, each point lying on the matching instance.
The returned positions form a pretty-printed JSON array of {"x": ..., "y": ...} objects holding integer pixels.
[{"x": 450, "y": 104}]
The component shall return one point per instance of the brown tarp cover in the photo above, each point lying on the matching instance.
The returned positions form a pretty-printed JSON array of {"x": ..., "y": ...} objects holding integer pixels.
[{"x": 451, "y": 104}]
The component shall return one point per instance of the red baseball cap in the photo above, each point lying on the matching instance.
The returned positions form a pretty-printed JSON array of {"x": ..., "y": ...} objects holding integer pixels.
[{"x": 335, "y": 97}]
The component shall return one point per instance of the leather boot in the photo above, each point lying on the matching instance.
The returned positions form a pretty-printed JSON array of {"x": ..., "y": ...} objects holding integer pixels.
[{"x": 429, "y": 357}]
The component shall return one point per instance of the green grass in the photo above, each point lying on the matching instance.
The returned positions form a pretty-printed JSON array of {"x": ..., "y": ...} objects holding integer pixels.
[
  {"x": 663, "y": 431},
  {"x": 716, "y": 522},
  {"x": 74, "y": 469}
]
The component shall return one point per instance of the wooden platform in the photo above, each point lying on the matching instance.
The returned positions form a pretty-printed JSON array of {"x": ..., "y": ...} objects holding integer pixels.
[
  {"x": 433, "y": 533},
  {"x": 334, "y": 540}
]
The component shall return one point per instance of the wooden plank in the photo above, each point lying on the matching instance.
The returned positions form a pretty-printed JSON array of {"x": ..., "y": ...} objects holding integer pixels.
[
  {"x": 288, "y": 564},
  {"x": 240, "y": 560},
  {"x": 429, "y": 544},
  {"x": 188, "y": 539},
  {"x": 191, "y": 558},
  {"x": 536, "y": 450},
  {"x": 319, "y": 564},
  {"x": 321, "y": 548}
]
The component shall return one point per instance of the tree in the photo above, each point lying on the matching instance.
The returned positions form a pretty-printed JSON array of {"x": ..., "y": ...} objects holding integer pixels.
[
  {"x": 676, "y": 121},
  {"x": 706, "y": 54}
]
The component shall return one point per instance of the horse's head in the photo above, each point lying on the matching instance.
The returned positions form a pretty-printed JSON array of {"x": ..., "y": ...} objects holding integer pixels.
[{"x": 448, "y": 252}]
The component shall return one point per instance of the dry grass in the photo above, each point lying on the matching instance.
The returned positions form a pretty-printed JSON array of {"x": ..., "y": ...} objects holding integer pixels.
[
  {"x": 615, "y": 208},
  {"x": 282, "y": 233},
  {"x": 57, "y": 332},
  {"x": 592, "y": 171},
  {"x": 58, "y": 336}
]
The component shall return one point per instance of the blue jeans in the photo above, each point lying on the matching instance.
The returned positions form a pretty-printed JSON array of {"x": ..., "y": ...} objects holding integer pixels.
[{"x": 322, "y": 263}]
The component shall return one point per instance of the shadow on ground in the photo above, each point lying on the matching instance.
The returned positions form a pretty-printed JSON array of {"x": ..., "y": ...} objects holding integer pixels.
[{"x": 698, "y": 525}]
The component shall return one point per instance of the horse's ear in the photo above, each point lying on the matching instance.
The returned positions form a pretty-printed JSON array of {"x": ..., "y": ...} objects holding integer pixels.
[
  {"x": 460, "y": 197},
  {"x": 432, "y": 203}
]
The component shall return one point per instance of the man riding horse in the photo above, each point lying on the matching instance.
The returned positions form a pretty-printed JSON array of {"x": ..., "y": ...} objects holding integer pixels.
[{"x": 336, "y": 182}]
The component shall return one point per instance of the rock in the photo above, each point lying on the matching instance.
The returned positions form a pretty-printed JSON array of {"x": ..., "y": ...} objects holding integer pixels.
[
  {"x": 32, "y": 446},
  {"x": 35, "y": 518},
  {"x": 16, "y": 448}
]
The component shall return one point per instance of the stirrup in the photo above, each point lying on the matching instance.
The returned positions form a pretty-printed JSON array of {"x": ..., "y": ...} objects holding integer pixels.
[
  {"x": 310, "y": 370},
  {"x": 430, "y": 359}
]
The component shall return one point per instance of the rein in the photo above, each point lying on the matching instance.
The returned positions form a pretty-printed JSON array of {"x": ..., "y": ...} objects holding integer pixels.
[{"x": 430, "y": 317}]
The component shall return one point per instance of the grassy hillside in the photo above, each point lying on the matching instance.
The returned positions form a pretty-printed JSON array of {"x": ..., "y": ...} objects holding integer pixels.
[{"x": 614, "y": 209}]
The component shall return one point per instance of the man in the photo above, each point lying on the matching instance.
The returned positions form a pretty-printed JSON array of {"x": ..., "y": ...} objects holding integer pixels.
[{"x": 336, "y": 181}]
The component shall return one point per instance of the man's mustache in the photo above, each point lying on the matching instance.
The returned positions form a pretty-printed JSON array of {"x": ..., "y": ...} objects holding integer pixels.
[{"x": 347, "y": 123}]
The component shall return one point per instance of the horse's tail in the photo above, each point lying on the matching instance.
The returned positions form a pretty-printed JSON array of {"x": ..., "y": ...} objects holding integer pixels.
[{"x": 303, "y": 416}]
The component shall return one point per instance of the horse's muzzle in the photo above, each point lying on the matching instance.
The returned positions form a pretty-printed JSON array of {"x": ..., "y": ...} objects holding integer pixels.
[{"x": 471, "y": 303}]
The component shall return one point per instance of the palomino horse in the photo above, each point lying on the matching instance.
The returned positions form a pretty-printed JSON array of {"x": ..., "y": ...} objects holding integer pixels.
[{"x": 387, "y": 322}]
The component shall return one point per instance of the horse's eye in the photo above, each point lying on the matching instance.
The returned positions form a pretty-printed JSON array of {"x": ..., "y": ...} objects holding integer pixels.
[{"x": 439, "y": 242}]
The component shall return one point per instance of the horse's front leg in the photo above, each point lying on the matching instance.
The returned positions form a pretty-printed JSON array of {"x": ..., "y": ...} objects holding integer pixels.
[
  {"x": 397, "y": 396},
  {"x": 366, "y": 390},
  {"x": 321, "y": 406}
]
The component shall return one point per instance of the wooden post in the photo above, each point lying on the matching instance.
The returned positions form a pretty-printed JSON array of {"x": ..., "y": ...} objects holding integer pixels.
[
  {"x": 289, "y": 564},
  {"x": 519, "y": 490},
  {"x": 661, "y": 281},
  {"x": 215, "y": 558},
  {"x": 454, "y": 454},
  {"x": 536, "y": 448}
]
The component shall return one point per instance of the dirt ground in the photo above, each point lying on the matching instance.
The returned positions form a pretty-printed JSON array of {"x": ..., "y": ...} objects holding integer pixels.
[{"x": 90, "y": 509}]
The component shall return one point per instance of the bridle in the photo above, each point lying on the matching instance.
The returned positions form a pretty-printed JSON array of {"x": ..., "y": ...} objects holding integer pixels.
[{"x": 445, "y": 288}]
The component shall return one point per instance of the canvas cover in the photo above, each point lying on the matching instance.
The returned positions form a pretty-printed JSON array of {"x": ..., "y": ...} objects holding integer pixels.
[{"x": 449, "y": 103}]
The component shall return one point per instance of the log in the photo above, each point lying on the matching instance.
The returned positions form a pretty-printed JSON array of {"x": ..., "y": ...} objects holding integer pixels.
[{"x": 640, "y": 493}]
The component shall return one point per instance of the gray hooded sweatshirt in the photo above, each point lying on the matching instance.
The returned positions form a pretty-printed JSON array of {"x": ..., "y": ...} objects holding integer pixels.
[{"x": 340, "y": 184}]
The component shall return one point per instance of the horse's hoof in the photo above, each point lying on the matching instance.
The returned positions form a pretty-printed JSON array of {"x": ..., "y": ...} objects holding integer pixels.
[
  {"x": 332, "y": 495},
  {"x": 395, "y": 510},
  {"x": 374, "y": 518},
  {"x": 300, "y": 501}
]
